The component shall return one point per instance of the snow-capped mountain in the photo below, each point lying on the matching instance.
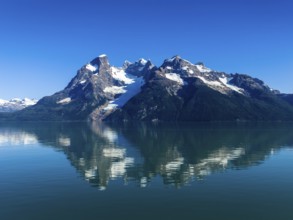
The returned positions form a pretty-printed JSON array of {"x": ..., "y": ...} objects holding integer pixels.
[
  {"x": 16, "y": 104},
  {"x": 176, "y": 90}
]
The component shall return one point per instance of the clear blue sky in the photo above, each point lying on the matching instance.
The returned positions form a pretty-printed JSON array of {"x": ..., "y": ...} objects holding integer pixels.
[{"x": 44, "y": 42}]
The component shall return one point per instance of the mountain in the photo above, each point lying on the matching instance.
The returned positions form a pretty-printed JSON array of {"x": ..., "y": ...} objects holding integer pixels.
[
  {"x": 178, "y": 90},
  {"x": 16, "y": 104}
]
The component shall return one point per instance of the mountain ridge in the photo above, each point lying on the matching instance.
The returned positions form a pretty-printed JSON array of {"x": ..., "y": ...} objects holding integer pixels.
[
  {"x": 178, "y": 90},
  {"x": 16, "y": 104}
]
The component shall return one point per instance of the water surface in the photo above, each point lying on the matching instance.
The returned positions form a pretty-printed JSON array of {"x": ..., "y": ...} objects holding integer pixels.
[{"x": 146, "y": 171}]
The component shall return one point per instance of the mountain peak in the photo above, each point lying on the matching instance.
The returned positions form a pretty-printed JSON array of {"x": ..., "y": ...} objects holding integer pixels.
[
  {"x": 174, "y": 58},
  {"x": 142, "y": 61},
  {"x": 101, "y": 62},
  {"x": 176, "y": 62}
]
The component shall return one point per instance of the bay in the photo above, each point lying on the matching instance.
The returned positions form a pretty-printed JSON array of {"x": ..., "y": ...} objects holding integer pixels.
[{"x": 146, "y": 170}]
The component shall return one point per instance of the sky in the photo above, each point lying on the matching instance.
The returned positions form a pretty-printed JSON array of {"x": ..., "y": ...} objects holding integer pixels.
[{"x": 44, "y": 42}]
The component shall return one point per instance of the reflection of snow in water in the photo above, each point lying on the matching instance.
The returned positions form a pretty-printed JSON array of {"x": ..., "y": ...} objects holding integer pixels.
[
  {"x": 105, "y": 132},
  {"x": 174, "y": 165},
  {"x": 110, "y": 134},
  {"x": 64, "y": 141},
  {"x": 17, "y": 138},
  {"x": 118, "y": 169},
  {"x": 90, "y": 173},
  {"x": 112, "y": 162},
  {"x": 143, "y": 182},
  {"x": 216, "y": 160},
  {"x": 108, "y": 162},
  {"x": 114, "y": 152}
]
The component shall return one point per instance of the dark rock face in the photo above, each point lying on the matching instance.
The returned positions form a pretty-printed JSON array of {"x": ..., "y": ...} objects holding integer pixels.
[
  {"x": 253, "y": 86},
  {"x": 178, "y": 90}
]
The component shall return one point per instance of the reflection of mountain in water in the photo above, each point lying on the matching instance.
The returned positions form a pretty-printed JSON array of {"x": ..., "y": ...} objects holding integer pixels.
[
  {"x": 137, "y": 153},
  {"x": 14, "y": 137}
]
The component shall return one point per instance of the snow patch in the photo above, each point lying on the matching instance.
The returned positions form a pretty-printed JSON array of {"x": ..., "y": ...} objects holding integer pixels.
[
  {"x": 191, "y": 71},
  {"x": 226, "y": 80},
  {"x": 64, "y": 101},
  {"x": 115, "y": 90},
  {"x": 221, "y": 84},
  {"x": 142, "y": 61},
  {"x": 110, "y": 106},
  {"x": 186, "y": 68},
  {"x": 211, "y": 83},
  {"x": 15, "y": 100},
  {"x": 16, "y": 104},
  {"x": 203, "y": 69},
  {"x": 174, "y": 77},
  {"x": 29, "y": 102},
  {"x": 102, "y": 55},
  {"x": 170, "y": 60},
  {"x": 90, "y": 67},
  {"x": 2, "y": 101},
  {"x": 130, "y": 91},
  {"x": 82, "y": 82},
  {"x": 121, "y": 75}
]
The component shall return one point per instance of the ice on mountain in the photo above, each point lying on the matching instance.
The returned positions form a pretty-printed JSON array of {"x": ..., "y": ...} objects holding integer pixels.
[
  {"x": 2, "y": 101},
  {"x": 142, "y": 61},
  {"x": 115, "y": 90},
  {"x": 121, "y": 75},
  {"x": 211, "y": 83},
  {"x": 91, "y": 67},
  {"x": 175, "y": 77},
  {"x": 28, "y": 102},
  {"x": 226, "y": 80},
  {"x": 130, "y": 91},
  {"x": 64, "y": 101},
  {"x": 202, "y": 68}
]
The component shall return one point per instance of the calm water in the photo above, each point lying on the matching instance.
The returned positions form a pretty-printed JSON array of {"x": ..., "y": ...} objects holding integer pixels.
[{"x": 146, "y": 171}]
